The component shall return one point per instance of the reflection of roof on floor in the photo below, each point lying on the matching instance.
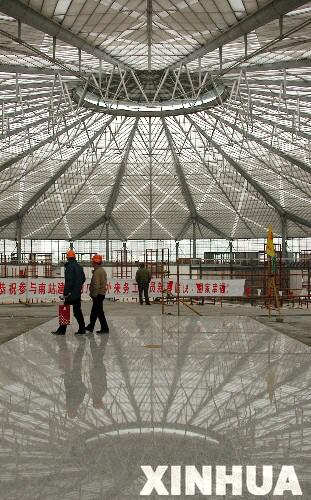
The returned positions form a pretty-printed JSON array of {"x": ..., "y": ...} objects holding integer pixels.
[{"x": 82, "y": 414}]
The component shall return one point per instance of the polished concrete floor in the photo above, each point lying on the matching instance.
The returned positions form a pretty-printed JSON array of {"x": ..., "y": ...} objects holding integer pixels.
[
  {"x": 16, "y": 319},
  {"x": 79, "y": 416}
]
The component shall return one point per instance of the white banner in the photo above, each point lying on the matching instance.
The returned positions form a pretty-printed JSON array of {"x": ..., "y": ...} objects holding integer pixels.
[{"x": 47, "y": 289}]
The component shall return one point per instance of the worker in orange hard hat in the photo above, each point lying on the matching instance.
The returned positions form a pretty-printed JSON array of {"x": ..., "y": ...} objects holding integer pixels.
[
  {"x": 71, "y": 254},
  {"x": 74, "y": 279},
  {"x": 98, "y": 288}
]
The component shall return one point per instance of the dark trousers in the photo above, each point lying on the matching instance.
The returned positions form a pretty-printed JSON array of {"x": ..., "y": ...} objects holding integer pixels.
[
  {"x": 98, "y": 312},
  {"x": 143, "y": 288},
  {"x": 77, "y": 312}
]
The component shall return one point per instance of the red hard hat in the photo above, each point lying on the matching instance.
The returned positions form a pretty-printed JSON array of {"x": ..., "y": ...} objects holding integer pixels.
[
  {"x": 97, "y": 259},
  {"x": 71, "y": 254}
]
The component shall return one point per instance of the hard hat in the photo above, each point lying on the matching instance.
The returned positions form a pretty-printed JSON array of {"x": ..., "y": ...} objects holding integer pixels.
[
  {"x": 71, "y": 254},
  {"x": 97, "y": 259}
]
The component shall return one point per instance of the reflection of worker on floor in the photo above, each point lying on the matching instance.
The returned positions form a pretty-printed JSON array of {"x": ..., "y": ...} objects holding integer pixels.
[
  {"x": 270, "y": 379},
  {"x": 141, "y": 323},
  {"x": 98, "y": 374},
  {"x": 74, "y": 386}
]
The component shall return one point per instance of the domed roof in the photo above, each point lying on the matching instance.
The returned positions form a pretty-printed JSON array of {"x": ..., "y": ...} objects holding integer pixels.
[{"x": 153, "y": 116}]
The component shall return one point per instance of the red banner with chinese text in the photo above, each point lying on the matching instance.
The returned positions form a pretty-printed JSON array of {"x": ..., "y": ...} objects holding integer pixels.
[{"x": 49, "y": 289}]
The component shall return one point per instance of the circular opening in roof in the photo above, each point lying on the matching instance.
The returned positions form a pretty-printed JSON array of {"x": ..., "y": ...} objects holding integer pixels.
[
  {"x": 150, "y": 93},
  {"x": 173, "y": 107}
]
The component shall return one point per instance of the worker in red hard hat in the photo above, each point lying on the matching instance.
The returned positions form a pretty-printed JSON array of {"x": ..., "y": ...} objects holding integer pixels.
[
  {"x": 74, "y": 279},
  {"x": 98, "y": 288}
]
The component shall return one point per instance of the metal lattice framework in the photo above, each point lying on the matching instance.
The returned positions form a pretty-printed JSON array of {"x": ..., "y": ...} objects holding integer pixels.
[{"x": 150, "y": 117}]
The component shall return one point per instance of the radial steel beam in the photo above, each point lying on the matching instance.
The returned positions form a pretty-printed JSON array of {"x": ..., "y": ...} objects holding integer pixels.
[
  {"x": 30, "y": 203},
  {"x": 184, "y": 229},
  {"x": 30, "y": 111},
  {"x": 51, "y": 138},
  {"x": 24, "y": 128},
  {"x": 33, "y": 70},
  {"x": 31, "y": 17},
  {"x": 94, "y": 166},
  {"x": 101, "y": 221},
  {"x": 297, "y": 219},
  {"x": 273, "y": 66},
  {"x": 64, "y": 168},
  {"x": 285, "y": 128},
  {"x": 117, "y": 229},
  {"x": 211, "y": 227},
  {"x": 30, "y": 97},
  {"x": 149, "y": 31},
  {"x": 271, "y": 82},
  {"x": 272, "y": 149},
  {"x": 185, "y": 188},
  {"x": 106, "y": 217},
  {"x": 180, "y": 173},
  {"x": 252, "y": 182},
  {"x": 47, "y": 84},
  {"x": 266, "y": 14},
  {"x": 274, "y": 107},
  {"x": 274, "y": 94},
  {"x": 276, "y": 124},
  {"x": 214, "y": 177},
  {"x": 239, "y": 169},
  {"x": 116, "y": 187}
]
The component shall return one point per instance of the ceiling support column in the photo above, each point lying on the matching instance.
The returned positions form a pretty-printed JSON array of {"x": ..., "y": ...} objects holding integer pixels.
[
  {"x": 284, "y": 236},
  {"x": 107, "y": 242},
  {"x": 19, "y": 239},
  {"x": 176, "y": 250},
  {"x": 194, "y": 240}
]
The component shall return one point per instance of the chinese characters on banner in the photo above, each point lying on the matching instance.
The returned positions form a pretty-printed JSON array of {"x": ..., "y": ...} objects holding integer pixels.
[{"x": 46, "y": 289}]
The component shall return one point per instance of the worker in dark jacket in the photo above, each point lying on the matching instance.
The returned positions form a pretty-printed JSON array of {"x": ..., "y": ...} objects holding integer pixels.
[
  {"x": 143, "y": 277},
  {"x": 74, "y": 279}
]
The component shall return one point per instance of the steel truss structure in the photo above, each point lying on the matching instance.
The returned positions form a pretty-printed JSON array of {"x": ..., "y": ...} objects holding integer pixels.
[{"x": 155, "y": 120}]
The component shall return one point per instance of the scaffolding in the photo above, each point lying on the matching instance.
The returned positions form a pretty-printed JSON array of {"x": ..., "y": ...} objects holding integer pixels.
[
  {"x": 158, "y": 262},
  {"x": 122, "y": 264},
  {"x": 31, "y": 265}
]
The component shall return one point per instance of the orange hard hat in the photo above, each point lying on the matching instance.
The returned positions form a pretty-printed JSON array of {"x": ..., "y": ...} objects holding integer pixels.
[
  {"x": 97, "y": 259},
  {"x": 71, "y": 254}
]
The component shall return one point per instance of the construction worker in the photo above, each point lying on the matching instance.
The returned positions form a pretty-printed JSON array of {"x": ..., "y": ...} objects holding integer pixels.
[
  {"x": 143, "y": 277},
  {"x": 98, "y": 287},
  {"x": 74, "y": 279}
]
